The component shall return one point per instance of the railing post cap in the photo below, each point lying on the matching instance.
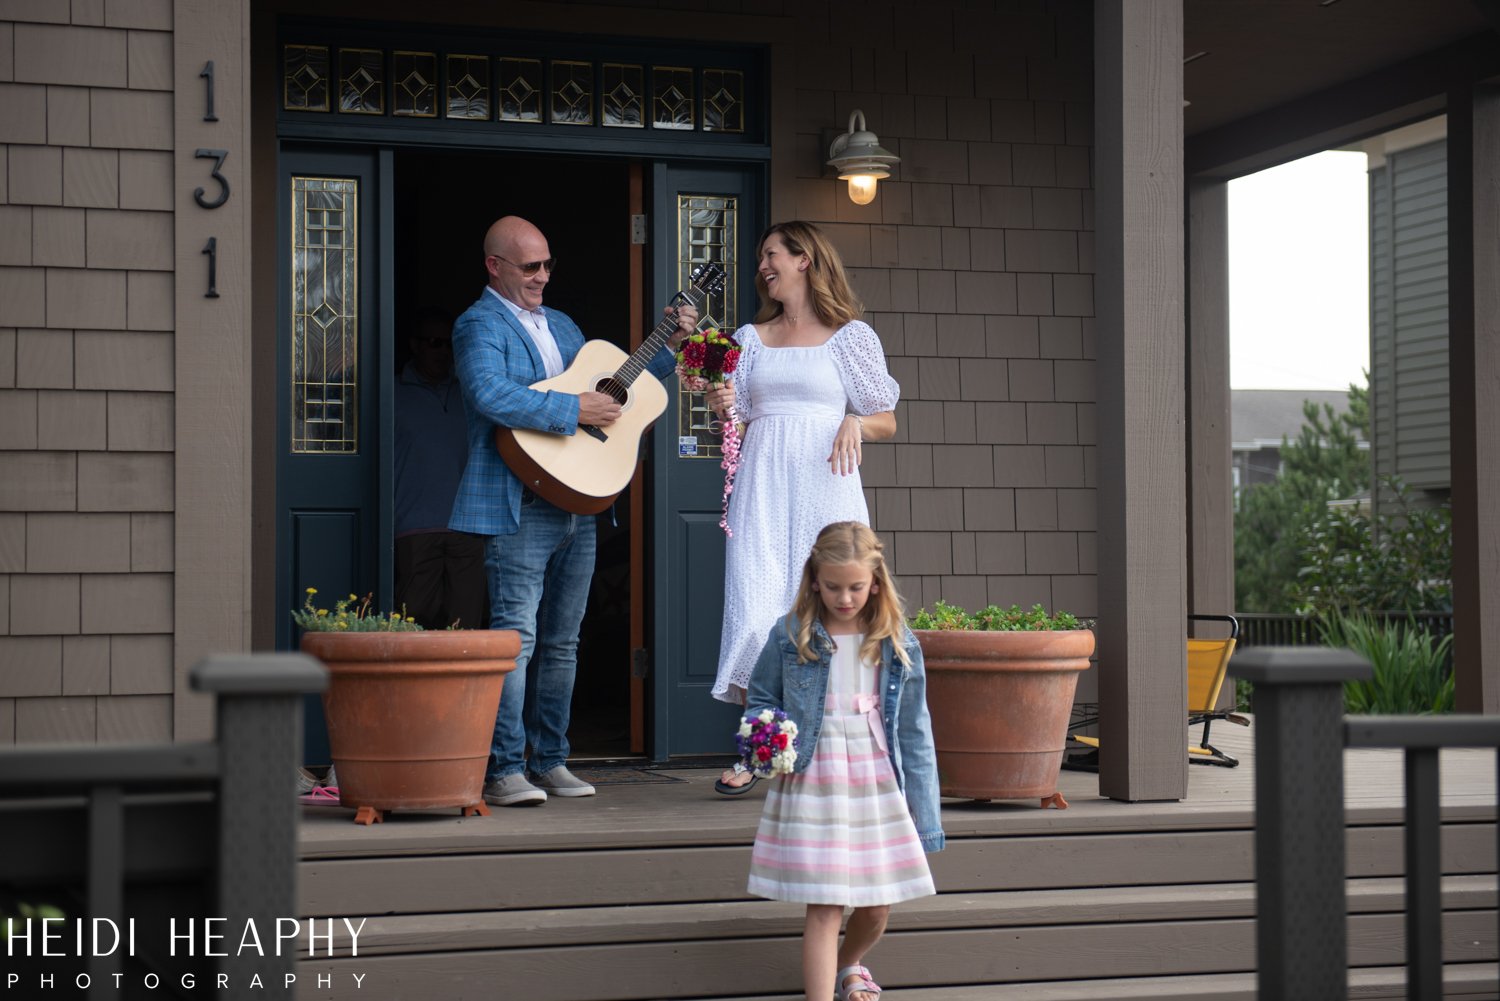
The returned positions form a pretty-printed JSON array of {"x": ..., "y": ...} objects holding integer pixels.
[
  {"x": 1299, "y": 665},
  {"x": 260, "y": 674}
]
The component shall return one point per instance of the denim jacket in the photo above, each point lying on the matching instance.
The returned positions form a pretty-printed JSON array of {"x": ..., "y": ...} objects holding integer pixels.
[{"x": 800, "y": 690}]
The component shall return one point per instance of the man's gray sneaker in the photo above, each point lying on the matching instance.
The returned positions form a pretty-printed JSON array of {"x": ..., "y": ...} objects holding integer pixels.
[
  {"x": 513, "y": 790},
  {"x": 561, "y": 782}
]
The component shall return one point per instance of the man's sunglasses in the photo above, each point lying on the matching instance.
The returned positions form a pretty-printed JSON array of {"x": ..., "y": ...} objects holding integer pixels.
[{"x": 531, "y": 267}]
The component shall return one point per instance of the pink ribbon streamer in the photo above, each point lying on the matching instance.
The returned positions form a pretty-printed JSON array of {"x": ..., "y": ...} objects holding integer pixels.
[{"x": 730, "y": 463}]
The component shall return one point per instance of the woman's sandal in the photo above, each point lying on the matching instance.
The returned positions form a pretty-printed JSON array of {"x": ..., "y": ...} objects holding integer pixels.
[
  {"x": 725, "y": 789},
  {"x": 865, "y": 983}
]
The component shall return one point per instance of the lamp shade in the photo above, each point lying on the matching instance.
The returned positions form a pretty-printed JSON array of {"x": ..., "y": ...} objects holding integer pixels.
[{"x": 858, "y": 153}]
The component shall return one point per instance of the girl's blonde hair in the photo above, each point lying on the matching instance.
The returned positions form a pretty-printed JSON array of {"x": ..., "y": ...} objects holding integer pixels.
[
  {"x": 832, "y": 298},
  {"x": 840, "y": 544}
]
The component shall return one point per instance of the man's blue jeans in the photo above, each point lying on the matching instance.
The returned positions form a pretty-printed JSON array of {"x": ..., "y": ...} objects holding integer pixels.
[{"x": 539, "y": 586}]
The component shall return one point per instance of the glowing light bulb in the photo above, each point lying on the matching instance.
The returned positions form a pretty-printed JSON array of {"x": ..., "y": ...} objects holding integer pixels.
[{"x": 862, "y": 189}]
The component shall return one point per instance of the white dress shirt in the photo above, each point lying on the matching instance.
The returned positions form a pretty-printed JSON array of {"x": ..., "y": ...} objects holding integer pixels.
[{"x": 535, "y": 322}]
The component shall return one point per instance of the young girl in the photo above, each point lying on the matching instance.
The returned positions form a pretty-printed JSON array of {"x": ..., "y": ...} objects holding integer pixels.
[{"x": 837, "y": 832}]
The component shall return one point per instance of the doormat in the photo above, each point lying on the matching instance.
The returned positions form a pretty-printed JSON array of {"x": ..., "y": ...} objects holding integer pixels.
[{"x": 622, "y": 776}]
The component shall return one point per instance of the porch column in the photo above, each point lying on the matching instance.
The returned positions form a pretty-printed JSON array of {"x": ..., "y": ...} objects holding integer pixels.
[
  {"x": 1474, "y": 390},
  {"x": 211, "y": 571},
  {"x": 1139, "y": 307},
  {"x": 1210, "y": 488}
]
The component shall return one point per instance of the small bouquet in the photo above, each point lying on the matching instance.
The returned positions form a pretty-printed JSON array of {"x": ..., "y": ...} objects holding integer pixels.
[
  {"x": 708, "y": 358},
  {"x": 768, "y": 743}
]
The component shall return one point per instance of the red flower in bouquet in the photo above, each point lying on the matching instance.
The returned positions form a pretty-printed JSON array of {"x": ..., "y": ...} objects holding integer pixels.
[
  {"x": 706, "y": 359},
  {"x": 767, "y": 743}
]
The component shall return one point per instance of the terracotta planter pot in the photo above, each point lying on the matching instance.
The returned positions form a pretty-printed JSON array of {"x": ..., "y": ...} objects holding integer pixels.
[
  {"x": 411, "y": 715},
  {"x": 1000, "y": 704}
]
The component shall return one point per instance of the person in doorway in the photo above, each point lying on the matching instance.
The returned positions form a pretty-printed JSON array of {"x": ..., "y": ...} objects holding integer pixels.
[
  {"x": 538, "y": 557},
  {"x": 439, "y": 572},
  {"x": 812, "y": 386},
  {"x": 850, "y": 825}
]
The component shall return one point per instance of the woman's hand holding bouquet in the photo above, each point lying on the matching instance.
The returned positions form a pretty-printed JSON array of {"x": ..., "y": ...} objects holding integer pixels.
[{"x": 705, "y": 361}]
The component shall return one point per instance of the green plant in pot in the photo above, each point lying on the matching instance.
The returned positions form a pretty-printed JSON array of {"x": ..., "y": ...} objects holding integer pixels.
[
  {"x": 410, "y": 712},
  {"x": 350, "y": 615},
  {"x": 1000, "y": 685}
]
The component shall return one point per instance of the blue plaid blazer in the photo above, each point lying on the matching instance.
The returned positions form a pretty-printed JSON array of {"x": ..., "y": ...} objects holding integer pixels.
[{"x": 496, "y": 362}]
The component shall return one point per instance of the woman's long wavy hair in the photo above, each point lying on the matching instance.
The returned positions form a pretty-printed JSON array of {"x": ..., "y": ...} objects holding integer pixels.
[
  {"x": 832, "y": 299},
  {"x": 840, "y": 544}
]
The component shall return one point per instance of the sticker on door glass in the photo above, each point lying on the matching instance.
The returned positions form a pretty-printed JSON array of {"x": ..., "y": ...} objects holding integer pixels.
[{"x": 687, "y": 445}]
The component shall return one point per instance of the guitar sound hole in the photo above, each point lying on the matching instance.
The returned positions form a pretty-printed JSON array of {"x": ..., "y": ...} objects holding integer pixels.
[{"x": 613, "y": 389}]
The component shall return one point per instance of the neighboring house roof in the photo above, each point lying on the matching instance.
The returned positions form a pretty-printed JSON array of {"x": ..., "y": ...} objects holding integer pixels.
[{"x": 1258, "y": 418}]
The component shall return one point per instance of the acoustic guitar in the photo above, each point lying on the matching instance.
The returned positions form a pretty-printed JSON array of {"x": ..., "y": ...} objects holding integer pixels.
[{"x": 584, "y": 472}]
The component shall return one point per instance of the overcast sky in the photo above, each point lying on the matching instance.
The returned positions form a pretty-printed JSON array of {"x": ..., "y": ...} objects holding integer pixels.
[{"x": 1299, "y": 275}]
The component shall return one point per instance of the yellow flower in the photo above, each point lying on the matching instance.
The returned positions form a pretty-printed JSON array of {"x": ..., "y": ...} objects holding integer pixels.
[
  {"x": 322, "y": 611},
  {"x": 341, "y": 625},
  {"x": 353, "y": 597},
  {"x": 312, "y": 590},
  {"x": 410, "y": 619}
]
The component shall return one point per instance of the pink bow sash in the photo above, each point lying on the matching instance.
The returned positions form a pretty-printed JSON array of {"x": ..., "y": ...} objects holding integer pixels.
[{"x": 869, "y": 706}]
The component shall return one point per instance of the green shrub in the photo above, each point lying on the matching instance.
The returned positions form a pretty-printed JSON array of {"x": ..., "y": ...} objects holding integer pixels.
[
  {"x": 1411, "y": 668},
  {"x": 1400, "y": 559},
  {"x": 993, "y": 618}
]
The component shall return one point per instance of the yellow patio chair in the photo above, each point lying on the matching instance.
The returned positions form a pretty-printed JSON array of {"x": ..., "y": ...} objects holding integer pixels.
[{"x": 1207, "y": 665}]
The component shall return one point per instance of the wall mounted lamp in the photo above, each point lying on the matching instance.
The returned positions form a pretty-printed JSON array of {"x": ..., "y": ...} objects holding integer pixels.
[{"x": 859, "y": 158}]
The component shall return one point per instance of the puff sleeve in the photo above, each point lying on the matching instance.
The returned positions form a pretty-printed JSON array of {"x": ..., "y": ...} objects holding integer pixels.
[
  {"x": 861, "y": 362},
  {"x": 749, "y": 343}
]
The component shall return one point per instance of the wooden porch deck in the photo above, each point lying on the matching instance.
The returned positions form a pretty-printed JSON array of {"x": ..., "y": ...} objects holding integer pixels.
[{"x": 638, "y": 893}]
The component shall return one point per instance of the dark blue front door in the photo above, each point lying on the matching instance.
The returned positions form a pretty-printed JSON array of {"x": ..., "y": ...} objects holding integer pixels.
[
  {"x": 330, "y": 431},
  {"x": 702, "y": 214}
]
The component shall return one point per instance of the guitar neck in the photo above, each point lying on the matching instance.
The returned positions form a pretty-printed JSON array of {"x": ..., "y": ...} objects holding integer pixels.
[{"x": 641, "y": 357}]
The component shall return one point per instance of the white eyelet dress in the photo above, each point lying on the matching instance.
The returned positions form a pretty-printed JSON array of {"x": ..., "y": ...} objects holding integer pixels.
[
  {"x": 840, "y": 832},
  {"x": 785, "y": 493}
]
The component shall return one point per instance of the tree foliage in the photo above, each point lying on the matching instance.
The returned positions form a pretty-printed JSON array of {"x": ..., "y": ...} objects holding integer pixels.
[
  {"x": 1324, "y": 463},
  {"x": 1400, "y": 560}
]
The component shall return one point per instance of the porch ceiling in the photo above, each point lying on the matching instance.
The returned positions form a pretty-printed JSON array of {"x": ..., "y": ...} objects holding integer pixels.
[{"x": 1265, "y": 53}]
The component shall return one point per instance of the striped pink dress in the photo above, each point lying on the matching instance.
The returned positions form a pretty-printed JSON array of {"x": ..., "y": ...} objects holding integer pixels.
[{"x": 840, "y": 832}]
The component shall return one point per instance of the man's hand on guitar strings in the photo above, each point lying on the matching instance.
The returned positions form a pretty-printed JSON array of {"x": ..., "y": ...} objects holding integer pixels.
[{"x": 597, "y": 409}]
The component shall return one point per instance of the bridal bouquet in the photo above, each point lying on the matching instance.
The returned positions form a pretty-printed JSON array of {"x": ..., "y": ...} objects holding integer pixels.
[
  {"x": 708, "y": 358},
  {"x": 767, "y": 743}
]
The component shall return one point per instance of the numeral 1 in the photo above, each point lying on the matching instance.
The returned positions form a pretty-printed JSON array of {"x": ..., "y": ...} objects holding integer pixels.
[
  {"x": 208, "y": 78},
  {"x": 211, "y": 248}
]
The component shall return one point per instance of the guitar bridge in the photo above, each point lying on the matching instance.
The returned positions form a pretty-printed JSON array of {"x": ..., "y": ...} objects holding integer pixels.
[{"x": 595, "y": 432}]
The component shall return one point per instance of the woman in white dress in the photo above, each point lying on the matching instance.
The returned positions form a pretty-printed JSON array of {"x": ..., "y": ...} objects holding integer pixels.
[{"x": 811, "y": 386}]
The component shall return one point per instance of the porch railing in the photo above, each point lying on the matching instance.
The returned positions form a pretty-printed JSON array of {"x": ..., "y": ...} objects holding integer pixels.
[
  {"x": 128, "y": 829},
  {"x": 1300, "y": 736},
  {"x": 1277, "y": 629}
]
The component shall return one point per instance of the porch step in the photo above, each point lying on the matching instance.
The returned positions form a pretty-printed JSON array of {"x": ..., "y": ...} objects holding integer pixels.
[
  {"x": 750, "y": 919},
  {"x": 640, "y": 896},
  {"x": 1006, "y": 944},
  {"x": 670, "y": 874},
  {"x": 1462, "y": 981}
]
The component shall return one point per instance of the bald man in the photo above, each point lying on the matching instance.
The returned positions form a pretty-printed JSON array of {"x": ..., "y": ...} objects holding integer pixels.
[{"x": 539, "y": 559}]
